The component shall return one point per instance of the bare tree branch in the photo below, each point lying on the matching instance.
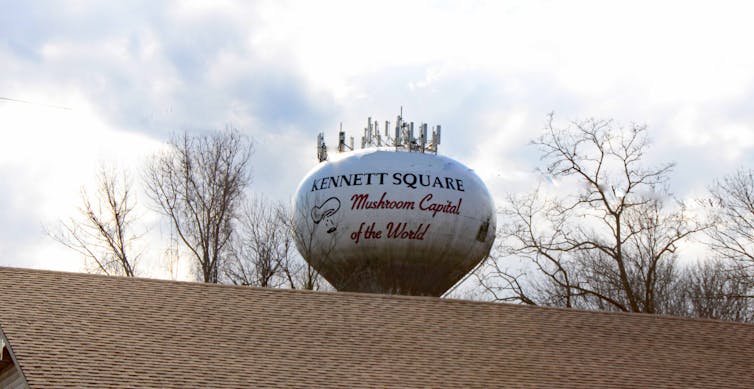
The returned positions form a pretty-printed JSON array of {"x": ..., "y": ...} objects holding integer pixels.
[
  {"x": 610, "y": 244},
  {"x": 263, "y": 248},
  {"x": 198, "y": 184},
  {"x": 103, "y": 231},
  {"x": 731, "y": 206}
]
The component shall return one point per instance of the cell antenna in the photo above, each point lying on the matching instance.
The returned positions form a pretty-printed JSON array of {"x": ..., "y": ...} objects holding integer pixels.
[
  {"x": 321, "y": 147},
  {"x": 423, "y": 132},
  {"x": 411, "y": 139},
  {"x": 398, "y": 131},
  {"x": 404, "y": 138},
  {"x": 371, "y": 132},
  {"x": 341, "y": 140},
  {"x": 377, "y": 133}
]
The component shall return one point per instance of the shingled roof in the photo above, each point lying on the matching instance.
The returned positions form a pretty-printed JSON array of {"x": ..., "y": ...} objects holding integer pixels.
[{"x": 79, "y": 330}]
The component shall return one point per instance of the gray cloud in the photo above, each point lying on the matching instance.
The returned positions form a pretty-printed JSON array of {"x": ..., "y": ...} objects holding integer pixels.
[
  {"x": 154, "y": 68},
  {"x": 169, "y": 88}
]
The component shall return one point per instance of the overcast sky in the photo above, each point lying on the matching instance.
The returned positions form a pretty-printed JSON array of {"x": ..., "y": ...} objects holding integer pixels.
[{"x": 84, "y": 83}]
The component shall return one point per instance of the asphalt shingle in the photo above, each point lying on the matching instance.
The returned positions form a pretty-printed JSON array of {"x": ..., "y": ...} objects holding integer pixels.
[{"x": 78, "y": 330}]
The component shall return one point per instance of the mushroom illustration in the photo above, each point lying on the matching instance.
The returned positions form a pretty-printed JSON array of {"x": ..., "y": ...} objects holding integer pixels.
[{"x": 324, "y": 213}]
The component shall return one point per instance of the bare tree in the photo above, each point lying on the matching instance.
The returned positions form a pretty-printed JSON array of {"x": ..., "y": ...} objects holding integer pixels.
[
  {"x": 171, "y": 257},
  {"x": 731, "y": 204},
  {"x": 198, "y": 183},
  {"x": 103, "y": 232},
  {"x": 609, "y": 245},
  {"x": 301, "y": 274},
  {"x": 263, "y": 247},
  {"x": 731, "y": 239},
  {"x": 715, "y": 289}
]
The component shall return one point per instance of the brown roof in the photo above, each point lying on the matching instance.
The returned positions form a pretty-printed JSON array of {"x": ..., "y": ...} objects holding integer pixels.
[{"x": 79, "y": 330}]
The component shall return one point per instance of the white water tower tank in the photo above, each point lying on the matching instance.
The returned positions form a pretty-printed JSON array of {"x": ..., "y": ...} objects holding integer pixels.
[{"x": 392, "y": 220}]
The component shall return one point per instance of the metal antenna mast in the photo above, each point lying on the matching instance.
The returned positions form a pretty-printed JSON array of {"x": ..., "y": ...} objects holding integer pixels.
[{"x": 403, "y": 139}]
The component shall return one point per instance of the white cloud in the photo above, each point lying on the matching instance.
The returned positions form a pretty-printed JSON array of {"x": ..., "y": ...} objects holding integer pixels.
[
  {"x": 489, "y": 72},
  {"x": 52, "y": 153}
]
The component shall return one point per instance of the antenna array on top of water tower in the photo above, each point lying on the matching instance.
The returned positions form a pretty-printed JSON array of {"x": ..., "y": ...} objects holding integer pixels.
[{"x": 404, "y": 137}]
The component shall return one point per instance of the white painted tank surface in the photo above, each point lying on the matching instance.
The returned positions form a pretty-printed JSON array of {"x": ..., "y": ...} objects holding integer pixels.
[{"x": 386, "y": 221}]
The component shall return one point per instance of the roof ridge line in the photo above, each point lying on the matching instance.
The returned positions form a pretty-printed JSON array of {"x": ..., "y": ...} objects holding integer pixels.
[{"x": 376, "y": 296}]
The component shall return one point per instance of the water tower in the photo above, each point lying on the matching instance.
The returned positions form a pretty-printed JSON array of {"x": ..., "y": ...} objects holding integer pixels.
[{"x": 392, "y": 217}]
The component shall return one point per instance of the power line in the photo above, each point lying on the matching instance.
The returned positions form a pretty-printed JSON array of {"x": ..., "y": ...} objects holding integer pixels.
[{"x": 33, "y": 103}]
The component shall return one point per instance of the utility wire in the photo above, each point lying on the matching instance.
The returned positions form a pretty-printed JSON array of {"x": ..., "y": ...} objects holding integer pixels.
[{"x": 33, "y": 103}]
